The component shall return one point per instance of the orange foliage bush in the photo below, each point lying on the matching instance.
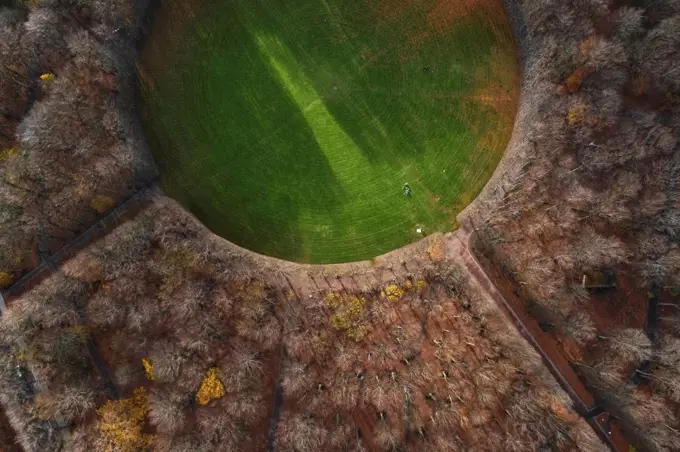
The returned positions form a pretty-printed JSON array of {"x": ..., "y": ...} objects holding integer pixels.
[
  {"x": 122, "y": 421},
  {"x": 211, "y": 387},
  {"x": 577, "y": 78},
  {"x": 148, "y": 369},
  {"x": 102, "y": 203}
]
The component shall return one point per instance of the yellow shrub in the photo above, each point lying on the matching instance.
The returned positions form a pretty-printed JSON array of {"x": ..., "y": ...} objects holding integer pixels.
[
  {"x": 211, "y": 387},
  {"x": 7, "y": 153},
  {"x": 357, "y": 332},
  {"x": 255, "y": 291},
  {"x": 80, "y": 332},
  {"x": 122, "y": 421},
  {"x": 332, "y": 299},
  {"x": 148, "y": 369},
  {"x": 393, "y": 292},
  {"x": 46, "y": 80},
  {"x": 6, "y": 279},
  {"x": 576, "y": 114},
  {"x": 102, "y": 203},
  {"x": 348, "y": 315}
]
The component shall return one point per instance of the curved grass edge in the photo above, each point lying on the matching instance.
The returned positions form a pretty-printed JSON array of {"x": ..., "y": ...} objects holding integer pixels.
[{"x": 469, "y": 198}]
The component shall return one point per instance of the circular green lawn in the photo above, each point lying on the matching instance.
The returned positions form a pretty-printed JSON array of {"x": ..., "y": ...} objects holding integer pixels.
[{"x": 291, "y": 126}]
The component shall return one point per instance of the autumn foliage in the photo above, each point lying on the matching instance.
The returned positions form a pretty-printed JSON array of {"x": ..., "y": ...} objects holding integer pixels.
[
  {"x": 348, "y": 314},
  {"x": 148, "y": 369},
  {"x": 122, "y": 422},
  {"x": 576, "y": 79},
  {"x": 211, "y": 387}
]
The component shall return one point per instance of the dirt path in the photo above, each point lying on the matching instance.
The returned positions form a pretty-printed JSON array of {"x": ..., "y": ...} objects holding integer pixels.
[
  {"x": 52, "y": 264},
  {"x": 307, "y": 279},
  {"x": 458, "y": 249},
  {"x": 115, "y": 218}
]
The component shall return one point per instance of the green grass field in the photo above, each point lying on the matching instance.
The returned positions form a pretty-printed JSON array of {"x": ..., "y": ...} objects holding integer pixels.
[{"x": 290, "y": 126}]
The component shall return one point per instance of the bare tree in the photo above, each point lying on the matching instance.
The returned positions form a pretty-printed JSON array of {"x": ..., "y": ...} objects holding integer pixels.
[
  {"x": 299, "y": 433},
  {"x": 630, "y": 344},
  {"x": 629, "y": 23},
  {"x": 386, "y": 436},
  {"x": 669, "y": 352},
  {"x": 166, "y": 411},
  {"x": 579, "y": 326},
  {"x": 296, "y": 380},
  {"x": 658, "y": 52}
]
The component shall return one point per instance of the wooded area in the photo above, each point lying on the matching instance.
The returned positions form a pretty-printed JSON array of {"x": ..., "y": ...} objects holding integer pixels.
[
  {"x": 160, "y": 334},
  {"x": 71, "y": 146},
  {"x": 161, "y": 330},
  {"x": 588, "y": 185}
]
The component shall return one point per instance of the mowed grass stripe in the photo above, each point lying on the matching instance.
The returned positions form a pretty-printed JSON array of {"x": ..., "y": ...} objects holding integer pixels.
[
  {"x": 344, "y": 157},
  {"x": 290, "y": 127}
]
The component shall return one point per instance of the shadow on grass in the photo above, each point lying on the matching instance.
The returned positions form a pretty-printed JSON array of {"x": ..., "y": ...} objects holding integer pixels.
[
  {"x": 384, "y": 74},
  {"x": 290, "y": 127},
  {"x": 206, "y": 167}
]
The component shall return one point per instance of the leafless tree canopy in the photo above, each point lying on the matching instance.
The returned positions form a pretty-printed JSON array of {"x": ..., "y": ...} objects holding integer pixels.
[
  {"x": 589, "y": 183},
  {"x": 70, "y": 141}
]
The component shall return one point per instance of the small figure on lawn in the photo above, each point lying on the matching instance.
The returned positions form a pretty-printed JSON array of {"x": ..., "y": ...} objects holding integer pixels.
[
  {"x": 426, "y": 68},
  {"x": 407, "y": 190}
]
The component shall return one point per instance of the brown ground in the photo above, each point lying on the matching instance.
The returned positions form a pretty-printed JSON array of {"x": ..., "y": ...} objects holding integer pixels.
[
  {"x": 7, "y": 439},
  {"x": 622, "y": 307},
  {"x": 439, "y": 365},
  {"x": 561, "y": 350}
]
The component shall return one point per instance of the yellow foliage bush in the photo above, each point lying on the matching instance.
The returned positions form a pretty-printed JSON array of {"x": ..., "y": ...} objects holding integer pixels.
[
  {"x": 348, "y": 315},
  {"x": 393, "y": 292},
  {"x": 254, "y": 291},
  {"x": 576, "y": 114},
  {"x": 415, "y": 286},
  {"x": 46, "y": 79},
  {"x": 122, "y": 421},
  {"x": 6, "y": 279},
  {"x": 102, "y": 203},
  {"x": 148, "y": 369},
  {"x": 211, "y": 387},
  {"x": 7, "y": 153},
  {"x": 80, "y": 332}
]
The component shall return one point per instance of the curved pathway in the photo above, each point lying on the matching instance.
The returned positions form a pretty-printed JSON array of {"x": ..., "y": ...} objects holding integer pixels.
[{"x": 457, "y": 248}]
